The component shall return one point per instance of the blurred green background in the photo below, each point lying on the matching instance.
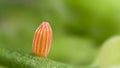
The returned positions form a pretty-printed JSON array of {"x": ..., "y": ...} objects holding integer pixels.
[{"x": 79, "y": 26}]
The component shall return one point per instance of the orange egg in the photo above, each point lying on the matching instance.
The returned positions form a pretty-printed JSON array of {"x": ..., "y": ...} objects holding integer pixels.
[{"x": 42, "y": 40}]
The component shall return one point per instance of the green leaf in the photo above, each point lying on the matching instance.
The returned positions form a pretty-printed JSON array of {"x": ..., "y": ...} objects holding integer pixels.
[
  {"x": 109, "y": 55},
  {"x": 18, "y": 59}
]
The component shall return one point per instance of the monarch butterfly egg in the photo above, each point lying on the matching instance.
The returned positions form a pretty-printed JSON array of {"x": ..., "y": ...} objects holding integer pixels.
[{"x": 42, "y": 40}]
